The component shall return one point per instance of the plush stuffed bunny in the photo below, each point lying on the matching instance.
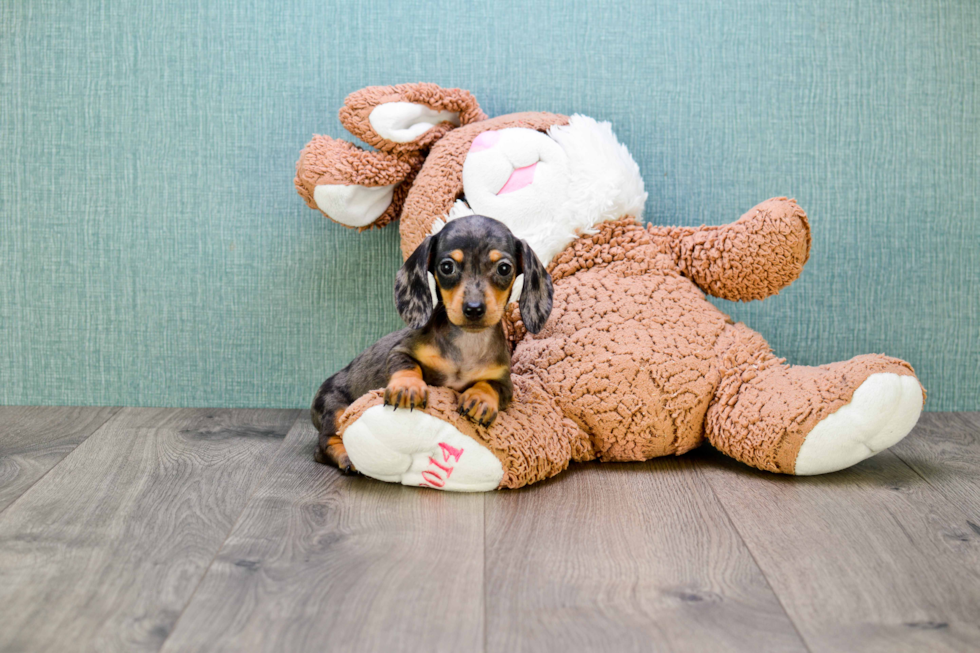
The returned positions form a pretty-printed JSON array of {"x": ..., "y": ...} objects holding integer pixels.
[{"x": 634, "y": 362}]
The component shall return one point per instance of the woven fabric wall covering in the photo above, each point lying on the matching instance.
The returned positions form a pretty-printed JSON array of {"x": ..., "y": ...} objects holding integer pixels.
[{"x": 153, "y": 250}]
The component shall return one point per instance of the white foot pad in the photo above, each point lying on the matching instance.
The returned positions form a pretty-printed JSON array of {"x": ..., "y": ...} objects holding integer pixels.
[
  {"x": 882, "y": 411},
  {"x": 414, "y": 448}
]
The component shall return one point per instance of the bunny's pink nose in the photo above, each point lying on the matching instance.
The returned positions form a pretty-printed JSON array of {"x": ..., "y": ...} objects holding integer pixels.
[{"x": 485, "y": 141}]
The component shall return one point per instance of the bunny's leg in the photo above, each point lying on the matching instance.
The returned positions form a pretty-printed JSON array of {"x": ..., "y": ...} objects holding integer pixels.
[
  {"x": 438, "y": 448},
  {"x": 794, "y": 419}
]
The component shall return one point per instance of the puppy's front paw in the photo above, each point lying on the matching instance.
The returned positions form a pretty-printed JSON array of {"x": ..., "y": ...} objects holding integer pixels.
[
  {"x": 480, "y": 403},
  {"x": 406, "y": 391}
]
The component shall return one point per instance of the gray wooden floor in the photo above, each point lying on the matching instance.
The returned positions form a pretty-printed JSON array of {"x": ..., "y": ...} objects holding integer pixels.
[{"x": 212, "y": 530}]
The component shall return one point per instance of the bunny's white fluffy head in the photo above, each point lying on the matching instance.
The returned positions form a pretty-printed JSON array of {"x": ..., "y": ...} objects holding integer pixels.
[{"x": 551, "y": 188}]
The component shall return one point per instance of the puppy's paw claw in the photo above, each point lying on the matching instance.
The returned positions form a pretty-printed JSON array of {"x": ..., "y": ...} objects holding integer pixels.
[
  {"x": 406, "y": 392},
  {"x": 347, "y": 468},
  {"x": 479, "y": 405}
]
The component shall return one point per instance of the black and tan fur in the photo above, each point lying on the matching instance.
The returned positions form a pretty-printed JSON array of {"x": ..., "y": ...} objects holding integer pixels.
[{"x": 456, "y": 342}]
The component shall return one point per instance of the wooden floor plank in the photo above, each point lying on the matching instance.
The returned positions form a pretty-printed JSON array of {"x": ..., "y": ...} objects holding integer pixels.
[
  {"x": 320, "y": 561},
  {"x": 104, "y": 552},
  {"x": 944, "y": 448},
  {"x": 33, "y": 439},
  {"x": 625, "y": 557},
  {"x": 868, "y": 559}
]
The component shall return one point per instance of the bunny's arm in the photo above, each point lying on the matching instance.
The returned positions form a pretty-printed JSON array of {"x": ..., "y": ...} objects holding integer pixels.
[
  {"x": 752, "y": 258},
  {"x": 407, "y": 117}
]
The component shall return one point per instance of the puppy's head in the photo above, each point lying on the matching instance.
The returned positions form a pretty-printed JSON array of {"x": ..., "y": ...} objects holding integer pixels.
[{"x": 475, "y": 261}]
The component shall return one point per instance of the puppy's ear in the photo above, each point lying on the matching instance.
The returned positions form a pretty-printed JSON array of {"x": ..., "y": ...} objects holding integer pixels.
[
  {"x": 537, "y": 293},
  {"x": 413, "y": 298}
]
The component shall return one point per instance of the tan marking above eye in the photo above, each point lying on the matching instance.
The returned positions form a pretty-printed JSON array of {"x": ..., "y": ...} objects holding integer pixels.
[
  {"x": 456, "y": 255},
  {"x": 495, "y": 255}
]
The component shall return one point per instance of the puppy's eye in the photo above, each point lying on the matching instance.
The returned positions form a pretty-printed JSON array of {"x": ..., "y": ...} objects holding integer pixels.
[
  {"x": 447, "y": 267},
  {"x": 504, "y": 269}
]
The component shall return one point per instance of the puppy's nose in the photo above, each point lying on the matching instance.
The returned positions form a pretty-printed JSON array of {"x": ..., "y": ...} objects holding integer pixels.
[{"x": 474, "y": 310}]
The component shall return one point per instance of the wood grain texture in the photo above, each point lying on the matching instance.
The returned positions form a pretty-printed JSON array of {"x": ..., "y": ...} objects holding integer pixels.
[
  {"x": 320, "y": 561},
  {"x": 202, "y": 530},
  {"x": 944, "y": 448},
  {"x": 624, "y": 557},
  {"x": 105, "y": 551},
  {"x": 868, "y": 559},
  {"x": 33, "y": 439}
]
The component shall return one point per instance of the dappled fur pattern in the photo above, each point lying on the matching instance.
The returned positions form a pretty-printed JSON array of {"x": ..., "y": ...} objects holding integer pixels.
[
  {"x": 538, "y": 293},
  {"x": 412, "y": 296}
]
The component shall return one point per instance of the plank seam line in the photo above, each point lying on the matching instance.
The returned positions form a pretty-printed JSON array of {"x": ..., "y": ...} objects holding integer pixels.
[
  {"x": 207, "y": 569},
  {"x": 485, "y": 625},
  {"x": 112, "y": 416},
  {"x": 748, "y": 548}
]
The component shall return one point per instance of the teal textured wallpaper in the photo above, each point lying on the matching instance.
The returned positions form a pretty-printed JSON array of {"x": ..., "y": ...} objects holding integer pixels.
[{"x": 153, "y": 250}]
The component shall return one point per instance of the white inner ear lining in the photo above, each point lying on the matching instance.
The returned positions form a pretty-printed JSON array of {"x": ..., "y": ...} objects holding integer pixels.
[
  {"x": 432, "y": 289},
  {"x": 515, "y": 292},
  {"x": 353, "y": 206},
  {"x": 403, "y": 122}
]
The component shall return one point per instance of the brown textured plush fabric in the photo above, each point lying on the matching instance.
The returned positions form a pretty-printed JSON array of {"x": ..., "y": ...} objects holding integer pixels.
[
  {"x": 763, "y": 408},
  {"x": 358, "y": 106},
  {"x": 440, "y": 183},
  {"x": 532, "y": 439},
  {"x": 327, "y": 160},
  {"x": 634, "y": 362},
  {"x": 753, "y": 258}
]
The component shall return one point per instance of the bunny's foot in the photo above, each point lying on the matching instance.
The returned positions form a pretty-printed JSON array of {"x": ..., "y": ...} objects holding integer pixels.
[
  {"x": 415, "y": 448},
  {"x": 882, "y": 411},
  {"x": 811, "y": 420},
  {"x": 437, "y": 447}
]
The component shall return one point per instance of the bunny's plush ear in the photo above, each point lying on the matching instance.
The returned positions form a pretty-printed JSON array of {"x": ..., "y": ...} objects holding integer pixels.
[
  {"x": 353, "y": 187},
  {"x": 537, "y": 293},
  {"x": 407, "y": 117}
]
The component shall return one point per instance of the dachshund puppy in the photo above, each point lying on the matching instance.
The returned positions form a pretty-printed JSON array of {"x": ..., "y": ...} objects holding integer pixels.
[{"x": 453, "y": 340}]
